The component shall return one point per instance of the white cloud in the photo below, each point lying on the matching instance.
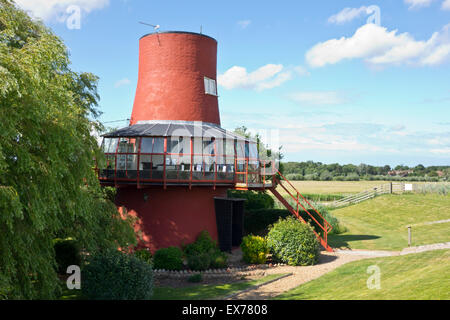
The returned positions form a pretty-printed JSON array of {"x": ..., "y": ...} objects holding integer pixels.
[
  {"x": 266, "y": 77},
  {"x": 441, "y": 151},
  {"x": 56, "y": 9},
  {"x": 446, "y": 5},
  {"x": 244, "y": 23},
  {"x": 122, "y": 82},
  {"x": 318, "y": 97},
  {"x": 302, "y": 71},
  {"x": 378, "y": 46},
  {"x": 347, "y": 15},
  {"x": 415, "y": 4}
]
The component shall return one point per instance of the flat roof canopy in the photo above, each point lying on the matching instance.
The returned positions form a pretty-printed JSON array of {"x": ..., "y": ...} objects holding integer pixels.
[{"x": 175, "y": 129}]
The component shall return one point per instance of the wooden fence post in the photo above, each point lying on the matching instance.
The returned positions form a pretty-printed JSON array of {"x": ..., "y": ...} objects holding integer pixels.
[{"x": 409, "y": 236}]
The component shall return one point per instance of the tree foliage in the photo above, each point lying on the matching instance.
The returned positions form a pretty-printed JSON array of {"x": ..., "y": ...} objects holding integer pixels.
[{"x": 48, "y": 188}]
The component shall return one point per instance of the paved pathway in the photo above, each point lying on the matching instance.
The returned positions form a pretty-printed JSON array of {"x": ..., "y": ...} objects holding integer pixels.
[{"x": 328, "y": 261}]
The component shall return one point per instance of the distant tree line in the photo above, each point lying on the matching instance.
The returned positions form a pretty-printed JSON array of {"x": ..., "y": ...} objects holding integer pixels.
[{"x": 311, "y": 170}]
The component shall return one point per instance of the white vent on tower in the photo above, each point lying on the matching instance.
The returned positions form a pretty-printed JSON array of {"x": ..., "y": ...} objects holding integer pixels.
[{"x": 210, "y": 86}]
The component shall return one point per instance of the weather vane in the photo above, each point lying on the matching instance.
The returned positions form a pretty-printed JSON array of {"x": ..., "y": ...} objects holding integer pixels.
[{"x": 156, "y": 27}]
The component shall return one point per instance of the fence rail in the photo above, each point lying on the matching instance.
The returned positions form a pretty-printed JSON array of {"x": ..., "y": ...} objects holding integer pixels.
[{"x": 392, "y": 187}]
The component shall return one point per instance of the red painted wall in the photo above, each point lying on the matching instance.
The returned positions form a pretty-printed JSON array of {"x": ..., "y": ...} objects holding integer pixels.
[
  {"x": 171, "y": 217},
  {"x": 172, "y": 67}
]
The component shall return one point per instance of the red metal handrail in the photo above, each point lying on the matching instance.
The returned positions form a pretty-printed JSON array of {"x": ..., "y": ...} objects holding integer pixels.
[{"x": 327, "y": 227}]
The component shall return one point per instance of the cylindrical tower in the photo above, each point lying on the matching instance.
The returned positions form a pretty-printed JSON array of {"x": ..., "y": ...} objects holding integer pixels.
[
  {"x": 174, "y": 158},
  {"x": 177, "y": 78}
]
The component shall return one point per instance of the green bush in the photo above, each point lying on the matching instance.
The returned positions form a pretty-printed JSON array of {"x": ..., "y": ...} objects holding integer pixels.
[
  {"x": 203, "y": 244},
  {"x": 254, "y": 249},
  {"x": 293, "y": 242},
  {"x": 67, "y": 253},
  {"x": 255, "y": 200},
  {"x": 257, "y": 221},
  {"x": 219, "y": 260},
  {"x": 144, "y": 255},
  {"x": 199, "y": 261},
  {"x": 114, "y": 275},
  {"x": 168, "y": 259},
  {"x": 204, "y": 254}
]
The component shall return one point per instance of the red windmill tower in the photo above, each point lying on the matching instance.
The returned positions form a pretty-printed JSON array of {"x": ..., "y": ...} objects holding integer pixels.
[{"x": 174, "y": 159}]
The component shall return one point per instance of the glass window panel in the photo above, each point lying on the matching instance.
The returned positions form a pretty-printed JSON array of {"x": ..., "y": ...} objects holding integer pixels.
[
  {"x": 158, "y": 145},
  {"x": 253, "y": 151},
  {"x": 157, "y": 161},
  {"x": 220, "y": 150},
  {"x": 186, "y": 145},
  {"x": 133, "y": 145},
  {"x": 123, "y": 145},
  {"x": 240, "y": 149},
  {"x": 128, "y": 145},
  {"x": 131, "y": 162},
  {"x": 110, "y": 162},
  {"x": 229, "y": 145},
  {"x": 173, "y": 145},
  {"x": 109, "y": 145},
  {"x": 247, "y": 151},
  {"x": 198, "y": 146},
  {"x": 146, "y": 162},
  {"x": 208, "y": 146},
  {"x": 121, "y": 161},
  {"x": 147, "y": 145}
]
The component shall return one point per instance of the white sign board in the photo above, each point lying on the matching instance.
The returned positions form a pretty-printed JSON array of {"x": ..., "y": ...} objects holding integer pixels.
[{"x": 408, "y": 187}]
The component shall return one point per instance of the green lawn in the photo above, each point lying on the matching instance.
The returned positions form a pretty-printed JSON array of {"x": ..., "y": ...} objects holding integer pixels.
[
  {"x": 205, "y": 292},
  {"x": 380, "y": 223},
  {"x": 196, "y": 292},
  {"x": 415, "y": 276}
]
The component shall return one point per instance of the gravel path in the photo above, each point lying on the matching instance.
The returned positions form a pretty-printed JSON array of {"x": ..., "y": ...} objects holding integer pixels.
[{"x": 328, "y": 261}]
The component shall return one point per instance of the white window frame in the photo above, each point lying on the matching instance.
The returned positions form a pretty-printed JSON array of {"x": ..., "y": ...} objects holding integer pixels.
[{"x": 210, "y": 86}]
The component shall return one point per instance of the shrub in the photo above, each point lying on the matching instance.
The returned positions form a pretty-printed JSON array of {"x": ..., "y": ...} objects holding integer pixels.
[
  {"x": 332, "y": 220},
  {"x": 67, "y": 253},
  {"x": 144, "y": 255},
  {"x": 255, "y": 200},
  {"x": 114, "y": 275},
  {"x": 203, "y": 244},
  {"x": 352, "y": 177},
  {"x": 293, "y": 242},
  {"x": 257, "y": 221},
  {"x": 254, "y": 249},
  {"x": 219, "y": 260},
  {"x": 204, "y": 254},
  {"x": 168, "y": 259},
  {"x": 199, "y": 261},
  {"x": 195, "y": 278}
]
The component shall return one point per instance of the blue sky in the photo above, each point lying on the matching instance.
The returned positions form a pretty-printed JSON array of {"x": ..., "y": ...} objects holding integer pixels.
[{"x": 331, "y": 81}]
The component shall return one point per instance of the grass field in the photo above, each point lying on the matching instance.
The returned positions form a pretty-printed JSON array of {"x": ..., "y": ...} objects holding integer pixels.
[
  {"x": 205, "y": 292},
  {"x": 381, "y": 223},
  {"x": 332, "y": 187},
  {"x": 194, "y": 292},
  {"x": 410, "y": 277}
]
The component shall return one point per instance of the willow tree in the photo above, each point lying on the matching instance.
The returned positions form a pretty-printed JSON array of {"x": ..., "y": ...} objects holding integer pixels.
[{"x": 48, "y": 187}]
